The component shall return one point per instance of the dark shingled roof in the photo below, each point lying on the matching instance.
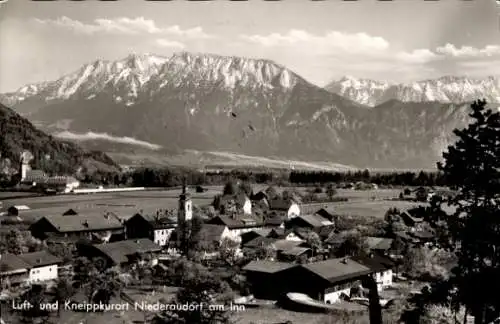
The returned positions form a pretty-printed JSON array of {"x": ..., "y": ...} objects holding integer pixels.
[
  {"x": 379, "y": 243},
  {"x": 39, "y": 259},
  {"x": 259, "y": 196},
  {"x": 267, "y": 266},
  {"x": 10, "y": 263},
  {"x": 84, "y": 222},
  {"x": 280, "y": 204},
  {"x": 334, "y": 270},
  {"x": 314, "y": 220},
  {"x": 211, "y": 232},
  {"x": 259, "y": 242},
  {"x": 375, "y": 262},
  {"x": 295, "y": 251},
  {"x": 245, "y": 221},
  {"x": 118, "y": 251}
]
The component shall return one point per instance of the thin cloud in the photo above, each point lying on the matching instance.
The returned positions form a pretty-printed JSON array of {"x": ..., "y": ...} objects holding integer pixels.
[
  {"x": 123, "y": 25},
  {"x": 106, "y": 137},
  {"x": 168, "y": 43}
]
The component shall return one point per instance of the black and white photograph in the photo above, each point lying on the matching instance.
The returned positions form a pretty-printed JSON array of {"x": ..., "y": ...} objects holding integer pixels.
[{"x": 250, "y": 162}]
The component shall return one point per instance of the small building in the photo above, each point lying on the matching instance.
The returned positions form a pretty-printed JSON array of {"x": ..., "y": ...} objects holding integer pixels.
[
  {"x": 237, "y": 225},
  {"x": 328, "y": 280},
  {"x": 294, "y": 234},
  {"x": 308, "y": 221},
  {"x": 13, "y": 270},
  {"x": 156, "y": 228},
  {"x": 212, "y": 235},
  {"x": 43, "y": 266},
  {"x": 411, "y": 218},
  {"x": 382, "y": 267},
  {"x": 295, "y": 254},
  {"x": 380, "y": 245},
  {"x": 262, "y": 232},
  {"x": 275, "y": 220},
  {"x": 290, "y": 207},
  {"x": 91, "y": 226},
  {"x": 266, "y": 278},
  {"x": 121, "y": 253},
  {"x": 16, "y": 210},
  {"x": 239, "y": 203},
  {"x": 260, "y": 199}
]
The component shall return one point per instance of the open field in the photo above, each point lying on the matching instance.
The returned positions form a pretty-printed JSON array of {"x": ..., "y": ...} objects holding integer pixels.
[
  {"x": 371, "y": 208},
  {"x": 201, "y": 159},
  {"x": 368, "y": 203}
]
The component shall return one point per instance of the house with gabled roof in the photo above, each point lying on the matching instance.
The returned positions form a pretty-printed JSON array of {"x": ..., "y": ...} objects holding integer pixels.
[
  {"x": 288, "y": 206},
  {"x": 154, "y": 227},
  {"x": 237, "y": 225},
  {"x": 261, "y": 232},
  {"x": 121, "y": 253},
  {"x": 328, "y": 280},
  {"x": 29, "y": 267},
  {"x": 380, "y": 245},
  {"x": 90, "y": 225},
  {"x": 382, "y": 267},
  {"x": 266, "y": 278},
  {"x": 43, "y": 266},
  {"x": 308, "y": 221}
]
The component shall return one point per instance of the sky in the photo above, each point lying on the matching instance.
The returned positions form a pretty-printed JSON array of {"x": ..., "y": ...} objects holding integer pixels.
[{"x": 398, "y": 41}]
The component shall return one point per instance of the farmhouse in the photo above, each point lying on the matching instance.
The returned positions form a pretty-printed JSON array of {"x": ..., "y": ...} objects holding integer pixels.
[
  {"x": 266, "y": 278},
  {"x": 262, "y": 232},
  {"x": 121, "y": 253},
  {"x": 239, "y": 203},
  {"x": 13, "y": 270},
  {"x": 236, "y": 225},
  {"x": 260, "y": 199},
  {"x": 382, "y": 267},
  {"x": 43, "y": 266},
  {"x": 380, "y": 245},
  {"x": 92, "y": 226},
  {"x": 212, "y": 235},
  {"x": 288, "y": 206},
  {"x": 328, "y": 280},
  {"x": 308, "y": 221},
  {"x": 28, "y": 267},
  {"x": 156, "y": 228}
]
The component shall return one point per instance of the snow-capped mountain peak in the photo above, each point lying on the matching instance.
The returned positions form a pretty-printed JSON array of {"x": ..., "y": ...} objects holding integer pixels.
[{"x": 446, "y": 89}]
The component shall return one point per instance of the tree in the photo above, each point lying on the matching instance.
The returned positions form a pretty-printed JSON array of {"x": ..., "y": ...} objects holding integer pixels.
[
  {"x": 228, "y": 250},
  {"x": 63, "y": 291},
  {"x": 246, "y": 188},
  {"x": 230, "y": 188},
  {"x": 472, "y": 166},
  {"x": 35, "y": 296},
  {"x": 330, "y": 190},
  {"x": 190, "y": 239},
  {"x": 353, "y": 245},
  {"x": 199, "y": 287},
  {"x": 314, "y": 241}
]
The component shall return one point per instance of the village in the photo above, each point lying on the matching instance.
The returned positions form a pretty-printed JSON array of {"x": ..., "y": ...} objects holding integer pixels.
[{"x": 276, "y": 253}]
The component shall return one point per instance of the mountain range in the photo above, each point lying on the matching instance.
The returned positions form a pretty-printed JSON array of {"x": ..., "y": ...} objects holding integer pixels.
[
  {"x": 212, "y": 103},
  {"x": 447, "y": 89}
]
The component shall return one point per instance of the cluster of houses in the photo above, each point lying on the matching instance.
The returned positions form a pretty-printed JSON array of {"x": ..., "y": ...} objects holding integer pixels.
[
  {"x": 286, "y": 226},
  {"x": 37, "y": 179}
]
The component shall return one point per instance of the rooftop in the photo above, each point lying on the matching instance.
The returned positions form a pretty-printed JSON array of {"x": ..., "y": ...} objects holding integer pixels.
[
  {"x": 118, "y": 251},
  {"x": 39, "y": 259},
  {"x": 267, "y": 266},
  {"x": 89, "y": 221},
  {"x": 334, "y": 270}
]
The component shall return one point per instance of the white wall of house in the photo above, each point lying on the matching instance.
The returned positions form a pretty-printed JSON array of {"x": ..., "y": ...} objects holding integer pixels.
[
  {"x": 334, "y": 296},
  {"x": 293, "y": 237},
  {"x": 162, "y": 235},
  {"x": 247, "y": 207},
  {"x": 384, "y": 279},
  {"x": 293, "y": 211},
  {"x": 48, "y": 272}
]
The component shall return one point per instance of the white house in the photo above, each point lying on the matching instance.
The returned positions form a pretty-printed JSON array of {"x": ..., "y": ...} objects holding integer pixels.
[
  {"x": 43, "y": 266},
  {"x": 382, "y": 269},
  {"x": 290, "y": 207},
  {"x": 236, "y": 226}
]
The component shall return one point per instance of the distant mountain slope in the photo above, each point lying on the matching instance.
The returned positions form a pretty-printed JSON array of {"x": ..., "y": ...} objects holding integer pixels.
[
  {"x": 252, "y": 107},
  {"x": 53, "y": 155},
  {"x": 448, "y": 89}
]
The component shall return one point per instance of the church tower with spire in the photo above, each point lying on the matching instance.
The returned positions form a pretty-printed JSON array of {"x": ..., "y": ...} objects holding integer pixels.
[{"x": 185, "y": 211}]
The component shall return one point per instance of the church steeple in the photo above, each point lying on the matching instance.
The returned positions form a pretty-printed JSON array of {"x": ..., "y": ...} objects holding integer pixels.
[{"x": 185, "y": 211}]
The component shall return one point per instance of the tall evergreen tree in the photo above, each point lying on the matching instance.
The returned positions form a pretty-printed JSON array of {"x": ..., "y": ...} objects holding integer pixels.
[{"x": 472, "y": 165}]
